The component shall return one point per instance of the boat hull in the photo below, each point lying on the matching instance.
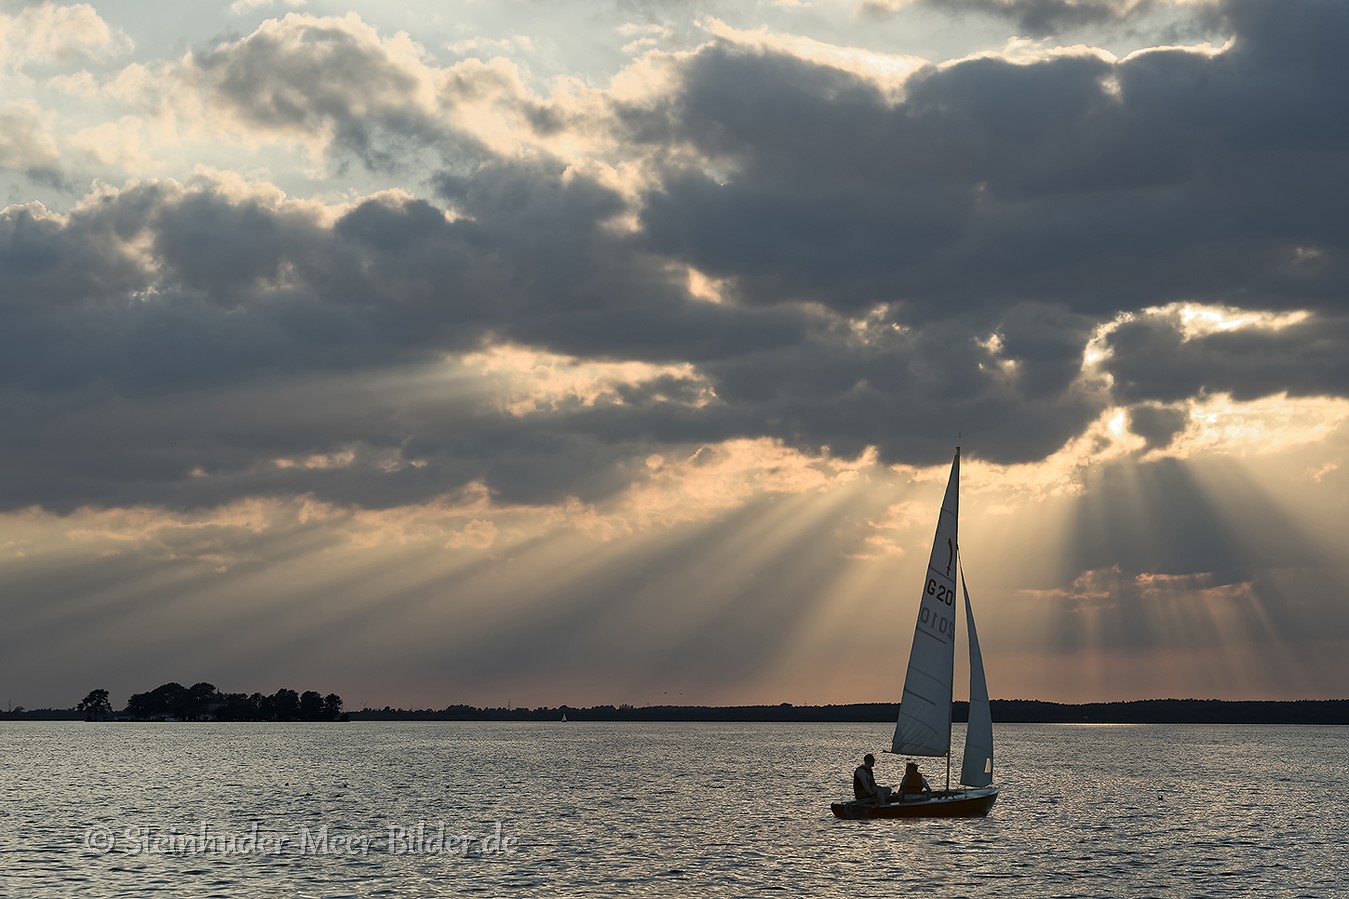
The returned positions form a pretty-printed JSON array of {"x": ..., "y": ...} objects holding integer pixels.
[{"x": 955, "y": 804}]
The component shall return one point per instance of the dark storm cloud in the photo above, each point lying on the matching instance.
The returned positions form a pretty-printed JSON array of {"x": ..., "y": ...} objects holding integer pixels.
[
  {"x": 992, "y": 189},
  {"x": 1151, "y": 360},
  {"x": 161, "y": 331},
  {"x": 1158, "y": 425},
  {"x": 234, "y": 288},
  {"x": 896, "y": 271},
  {"x": 1040, "y": 18},
  {"x": 181, "y": 382},
  {"x": 1100, "y": 186},
  {"x": 909, "y": 396},
  {"x": 820, "y": 202}
]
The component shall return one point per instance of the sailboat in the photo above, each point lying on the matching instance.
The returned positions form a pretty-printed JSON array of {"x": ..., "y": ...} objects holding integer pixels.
[{"x": 924, "y": 725}]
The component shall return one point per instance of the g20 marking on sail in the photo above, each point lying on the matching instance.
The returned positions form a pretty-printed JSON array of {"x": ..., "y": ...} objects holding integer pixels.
[{"x": 941, "y": 591}]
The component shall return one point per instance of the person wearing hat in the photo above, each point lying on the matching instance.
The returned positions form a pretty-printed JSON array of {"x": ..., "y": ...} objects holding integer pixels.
[
  {"x": 864, "y": 783},
  {"x": 913, "y": 784}
]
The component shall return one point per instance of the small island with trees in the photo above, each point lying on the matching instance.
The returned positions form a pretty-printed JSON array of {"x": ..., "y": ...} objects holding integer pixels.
[{"x": 203, "y": 702}]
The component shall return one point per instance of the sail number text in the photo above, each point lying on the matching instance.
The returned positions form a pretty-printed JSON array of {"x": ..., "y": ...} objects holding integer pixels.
[{"x": 941, "y": 592}]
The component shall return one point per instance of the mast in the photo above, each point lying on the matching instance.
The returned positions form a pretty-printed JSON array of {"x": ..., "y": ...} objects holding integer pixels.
[
  {"x": 950, "y": 703},
  {"x": 955, "y": 474}
]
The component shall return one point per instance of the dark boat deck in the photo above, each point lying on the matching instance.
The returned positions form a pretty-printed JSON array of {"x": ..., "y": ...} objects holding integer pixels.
[{"x": 952, "y": 804}]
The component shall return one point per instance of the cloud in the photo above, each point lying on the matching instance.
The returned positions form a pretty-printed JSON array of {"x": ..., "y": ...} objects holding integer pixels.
[
  {"x": 885, "y": 68},
  {"x": 904, "y": 193},
  {"x": 240, "y": 7},
  {"x": 992, "y": 181},
  {"x": 1043, "y": 17},
  {"x": 1152, "y": 358},
  {"x": 891, "y": 269},
  {"x": 1157, "y": 424},
  {"x": 326, "y": 80},
  {"x": 1026, "y": 199},
  {"x": 335, "y": 88},
  {"x": 26, "y": 142},
  {"x": 529, "y": 382},
  {"x": 119, "y": 146},
  {"x": 47, "y": 33},
  {"x": 338, "y": 89}
]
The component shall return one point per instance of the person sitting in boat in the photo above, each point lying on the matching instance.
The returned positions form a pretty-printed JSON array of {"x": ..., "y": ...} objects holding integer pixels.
[
  {"x": 864, "y": 783},
  {"x": 913, "y": 784}
]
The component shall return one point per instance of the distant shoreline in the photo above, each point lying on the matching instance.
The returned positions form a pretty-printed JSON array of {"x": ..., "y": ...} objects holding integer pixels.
[{"x": 1005, "y": 711}]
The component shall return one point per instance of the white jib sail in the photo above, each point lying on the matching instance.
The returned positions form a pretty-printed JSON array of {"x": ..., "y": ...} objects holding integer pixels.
[
  {"x": 924, "y": 725},
  {"x": 977, "y": 768}
]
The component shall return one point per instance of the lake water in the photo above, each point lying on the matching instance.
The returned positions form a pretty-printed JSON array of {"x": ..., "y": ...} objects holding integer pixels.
[{"x": 328, "y": 810}]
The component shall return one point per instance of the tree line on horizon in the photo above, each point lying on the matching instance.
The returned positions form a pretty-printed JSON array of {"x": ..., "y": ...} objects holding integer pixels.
[
  {"x": 202, "y": 701},
  {"x": 175, "y": 701},
  {"x": 1005, "y": 711}
]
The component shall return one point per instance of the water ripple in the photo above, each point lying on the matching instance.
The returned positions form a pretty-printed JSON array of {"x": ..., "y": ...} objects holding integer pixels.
[{"x": 656, "y": 810}]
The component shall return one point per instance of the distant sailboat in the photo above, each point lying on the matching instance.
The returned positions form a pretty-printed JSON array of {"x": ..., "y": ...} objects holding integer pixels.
[
  {"x": 564, "y": 716},
  {"x": 924, "y": 725}
]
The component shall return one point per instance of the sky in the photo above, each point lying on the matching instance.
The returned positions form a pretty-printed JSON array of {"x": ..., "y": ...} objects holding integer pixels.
[{"x": 534, "y": 353}]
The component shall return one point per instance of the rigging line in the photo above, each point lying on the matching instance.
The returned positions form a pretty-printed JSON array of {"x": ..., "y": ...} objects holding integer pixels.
[{"x": 960, "y": 566}]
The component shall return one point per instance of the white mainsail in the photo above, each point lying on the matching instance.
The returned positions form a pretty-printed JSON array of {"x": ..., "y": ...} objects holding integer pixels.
[
  {"x": 976, "y": 770},
  {"x": 924, "y": 725}
]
